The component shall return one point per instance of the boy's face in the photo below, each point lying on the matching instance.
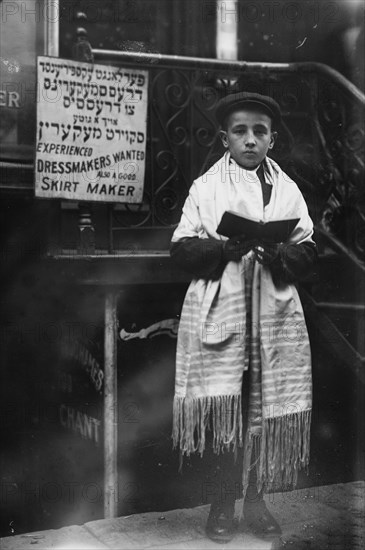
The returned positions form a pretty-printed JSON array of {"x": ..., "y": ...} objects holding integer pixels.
[{"x": 248, "y": 137}]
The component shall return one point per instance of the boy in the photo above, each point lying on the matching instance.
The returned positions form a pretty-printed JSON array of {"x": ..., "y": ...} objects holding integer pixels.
[{"x": 243, "y": 367}]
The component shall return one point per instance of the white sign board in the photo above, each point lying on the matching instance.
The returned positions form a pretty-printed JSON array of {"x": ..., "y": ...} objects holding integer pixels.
[{"x": 91, "y": 131}]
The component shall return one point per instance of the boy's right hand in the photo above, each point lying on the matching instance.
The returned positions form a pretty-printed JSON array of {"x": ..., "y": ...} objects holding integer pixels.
[{"x": 236, "y": 247}]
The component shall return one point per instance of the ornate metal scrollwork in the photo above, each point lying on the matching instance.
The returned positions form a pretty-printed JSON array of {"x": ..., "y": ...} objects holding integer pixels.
[
  {"x": 167, "y": 199},
  {"x": 342, "y": 126},
  {"x": 132, "y": 215},
  {"x": 321, "y": 143}
]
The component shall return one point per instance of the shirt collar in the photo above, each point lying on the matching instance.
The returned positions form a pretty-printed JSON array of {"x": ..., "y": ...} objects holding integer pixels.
[{"x": 264, "y": 164}]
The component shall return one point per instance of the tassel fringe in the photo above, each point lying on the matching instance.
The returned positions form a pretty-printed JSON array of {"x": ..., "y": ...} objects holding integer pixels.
[
  {"x": 278, "y": 453},
  {"x": 191, "y": 417},
  {"x": 285, "y": 448}
]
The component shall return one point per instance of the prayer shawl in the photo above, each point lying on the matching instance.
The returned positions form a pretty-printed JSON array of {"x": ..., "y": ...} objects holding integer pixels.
[{"x": 244, "y": 321}]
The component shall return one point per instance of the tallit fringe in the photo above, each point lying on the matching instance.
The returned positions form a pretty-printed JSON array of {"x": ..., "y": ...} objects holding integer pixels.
[
  {"x": 191, "y": 417},
  {"x": 285, "y": 447},
  {"x": 279, "y": 453}
]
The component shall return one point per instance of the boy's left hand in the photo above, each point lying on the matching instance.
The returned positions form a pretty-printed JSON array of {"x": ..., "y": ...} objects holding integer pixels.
[{"x": 266, "y": 253}]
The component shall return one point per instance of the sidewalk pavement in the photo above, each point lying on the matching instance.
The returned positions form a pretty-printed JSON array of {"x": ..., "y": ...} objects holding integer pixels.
[{"x": 328, "y": 517}]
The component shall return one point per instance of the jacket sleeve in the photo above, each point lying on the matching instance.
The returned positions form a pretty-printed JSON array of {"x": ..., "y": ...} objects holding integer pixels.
[
  {"x": 203, "y": 258},
  {"x": 294, "y": 262}
]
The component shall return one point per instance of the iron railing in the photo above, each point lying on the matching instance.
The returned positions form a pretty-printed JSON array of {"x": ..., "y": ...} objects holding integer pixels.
[{"x": 320, "y": 145}]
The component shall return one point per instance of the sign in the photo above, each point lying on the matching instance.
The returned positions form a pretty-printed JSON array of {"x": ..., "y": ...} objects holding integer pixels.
[{"x": 91, "y": 131}]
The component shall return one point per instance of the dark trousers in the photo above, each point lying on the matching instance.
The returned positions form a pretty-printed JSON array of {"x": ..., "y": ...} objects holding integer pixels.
[{"x": 224, "y": 472}]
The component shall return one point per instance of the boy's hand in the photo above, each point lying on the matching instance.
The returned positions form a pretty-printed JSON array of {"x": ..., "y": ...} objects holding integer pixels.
[
  {"x": 266, "y": 253},
  {"x": 236, "y": 247}
]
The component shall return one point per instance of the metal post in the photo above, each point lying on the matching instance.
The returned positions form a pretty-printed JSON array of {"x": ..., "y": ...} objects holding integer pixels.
[
  {"x": 51, "y": 18},
  {"x": 110, "y": 407}
]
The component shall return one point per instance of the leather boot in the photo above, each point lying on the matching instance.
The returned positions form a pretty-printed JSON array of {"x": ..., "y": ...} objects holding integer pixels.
[
  {"x": 221, "y": 526},
  {"x": 257, "y": 518}
]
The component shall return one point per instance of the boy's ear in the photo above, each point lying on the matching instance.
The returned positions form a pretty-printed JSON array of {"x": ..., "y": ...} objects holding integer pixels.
[
  {"x": 224, "y": 138},
  {"x": 274, "y": 135}
]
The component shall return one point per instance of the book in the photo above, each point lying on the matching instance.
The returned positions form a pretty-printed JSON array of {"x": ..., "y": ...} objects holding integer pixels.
[{"x": 233, "y": 224}]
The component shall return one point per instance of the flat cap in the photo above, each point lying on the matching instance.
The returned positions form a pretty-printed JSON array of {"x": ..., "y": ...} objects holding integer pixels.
[{"x": 233, "y": 102}]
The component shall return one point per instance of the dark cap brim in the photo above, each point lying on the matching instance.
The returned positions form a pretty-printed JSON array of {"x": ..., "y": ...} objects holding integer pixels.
[{"x": 235, "y": 102}]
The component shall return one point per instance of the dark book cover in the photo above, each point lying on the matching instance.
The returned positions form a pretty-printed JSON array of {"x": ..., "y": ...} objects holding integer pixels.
[{"x": 233, "y": 224}]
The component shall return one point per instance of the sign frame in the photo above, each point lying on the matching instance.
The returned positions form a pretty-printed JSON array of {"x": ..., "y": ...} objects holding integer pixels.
[{"x": 91, "y": 131}]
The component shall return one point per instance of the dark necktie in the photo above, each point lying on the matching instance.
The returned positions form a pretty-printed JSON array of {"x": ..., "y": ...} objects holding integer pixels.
[{"x": 265, "y": 187}]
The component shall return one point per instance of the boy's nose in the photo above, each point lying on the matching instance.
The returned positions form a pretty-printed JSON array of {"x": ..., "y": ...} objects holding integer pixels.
[{"x": 250, "y": 138}]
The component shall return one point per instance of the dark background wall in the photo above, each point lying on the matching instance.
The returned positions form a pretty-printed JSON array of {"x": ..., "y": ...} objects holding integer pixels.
[{"x": 281, "y": 31}]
